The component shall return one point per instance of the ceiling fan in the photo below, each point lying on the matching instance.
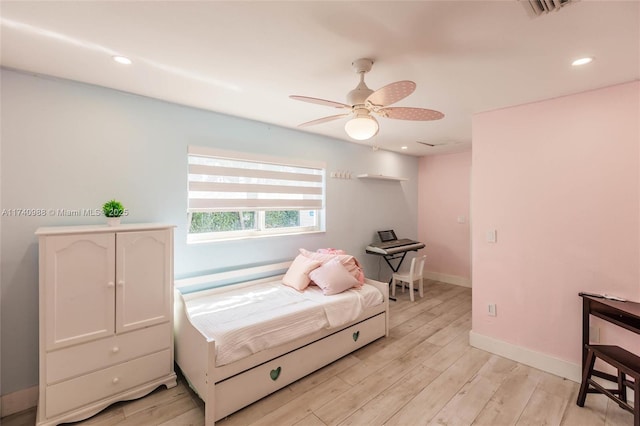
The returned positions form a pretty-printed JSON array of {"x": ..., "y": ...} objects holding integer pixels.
[{"x": 363, "y": 102}]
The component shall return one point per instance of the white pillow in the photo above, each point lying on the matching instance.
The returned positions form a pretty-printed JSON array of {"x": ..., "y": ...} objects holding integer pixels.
[
  {"x": 297, "y": 275},
  {"x": 333, "y": 278}
]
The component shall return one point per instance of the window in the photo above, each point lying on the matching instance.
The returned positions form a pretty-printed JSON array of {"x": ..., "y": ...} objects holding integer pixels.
[{"x": 238, "y": 195}]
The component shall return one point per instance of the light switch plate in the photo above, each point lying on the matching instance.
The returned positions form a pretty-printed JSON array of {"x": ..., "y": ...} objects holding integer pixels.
[{"x": 491, "y": 310}]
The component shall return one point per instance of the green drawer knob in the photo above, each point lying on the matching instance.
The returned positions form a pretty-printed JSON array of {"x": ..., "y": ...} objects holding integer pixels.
[
  {"x": 275, "y": 373},
  {"x": 355, "y": 336}
]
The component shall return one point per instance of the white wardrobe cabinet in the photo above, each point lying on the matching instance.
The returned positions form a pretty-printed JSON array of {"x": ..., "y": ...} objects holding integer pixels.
[{"x": 106, "y": 318}]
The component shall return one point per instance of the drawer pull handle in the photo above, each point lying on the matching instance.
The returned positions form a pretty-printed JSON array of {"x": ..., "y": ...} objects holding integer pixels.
[
  {"x": 115, "y": 349},
  {"x": 275, "y": 373},
  {"x": 356, "y": 335},
  {"x": 110, "y": 284},
  {"x": 115, "y": 380},
  {"x": 121, "y": 283}
]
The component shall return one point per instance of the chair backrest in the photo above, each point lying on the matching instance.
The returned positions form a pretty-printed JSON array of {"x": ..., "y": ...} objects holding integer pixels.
[{"x": 417, "y": 267}]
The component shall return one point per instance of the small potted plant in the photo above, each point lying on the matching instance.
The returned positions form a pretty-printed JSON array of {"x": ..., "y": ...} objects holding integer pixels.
[{"x": 113, "y": 210}]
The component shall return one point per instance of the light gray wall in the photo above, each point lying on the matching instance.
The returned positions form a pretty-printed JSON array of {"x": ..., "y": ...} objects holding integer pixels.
[{"x": 67, "y": 145}]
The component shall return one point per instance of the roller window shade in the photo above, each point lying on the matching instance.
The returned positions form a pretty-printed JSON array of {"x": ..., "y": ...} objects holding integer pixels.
[{"x": 220, "y": 181}]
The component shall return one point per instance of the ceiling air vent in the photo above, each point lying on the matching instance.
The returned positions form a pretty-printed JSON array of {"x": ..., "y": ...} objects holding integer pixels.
[{"x": 542, "y": 7}]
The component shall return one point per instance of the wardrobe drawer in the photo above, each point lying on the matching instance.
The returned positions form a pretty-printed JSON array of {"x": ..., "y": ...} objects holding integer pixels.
[
  {"x": 255, "y": 383},
  {"x": 77, "y": 360},
  {"x": 93, "y": 387}
]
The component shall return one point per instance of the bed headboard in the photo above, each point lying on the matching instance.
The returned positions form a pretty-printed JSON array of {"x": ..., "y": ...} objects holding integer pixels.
[{"x": 221, "y": 279}]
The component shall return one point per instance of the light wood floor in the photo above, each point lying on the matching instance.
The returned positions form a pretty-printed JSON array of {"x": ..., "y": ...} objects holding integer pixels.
[{"x": 425, "y": 372}]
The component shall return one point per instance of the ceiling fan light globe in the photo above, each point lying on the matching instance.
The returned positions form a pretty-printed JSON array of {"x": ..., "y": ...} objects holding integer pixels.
[{"x": 361, "y": 128}]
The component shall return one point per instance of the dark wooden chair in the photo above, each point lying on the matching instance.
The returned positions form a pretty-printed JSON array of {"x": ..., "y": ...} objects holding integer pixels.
[{"x": 627, "y": 365}]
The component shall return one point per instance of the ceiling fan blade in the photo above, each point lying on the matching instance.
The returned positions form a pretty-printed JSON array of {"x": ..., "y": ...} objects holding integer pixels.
[
  {"x": 417, "y": 114},
  {"x": 320, "y": 101},
  {"x": 323, "y": 120},
  {"x": 392, "y": 93}
]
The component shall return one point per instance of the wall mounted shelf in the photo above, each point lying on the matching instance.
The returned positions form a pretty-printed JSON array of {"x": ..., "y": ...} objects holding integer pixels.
[{"x": 381, "y": 177}]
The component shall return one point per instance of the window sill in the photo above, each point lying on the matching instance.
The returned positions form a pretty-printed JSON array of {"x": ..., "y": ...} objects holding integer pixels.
[{"x": 248, "y": 237}]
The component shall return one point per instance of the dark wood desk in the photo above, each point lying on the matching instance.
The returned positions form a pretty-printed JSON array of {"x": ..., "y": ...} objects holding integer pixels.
[{"x": 622, "y": 314}]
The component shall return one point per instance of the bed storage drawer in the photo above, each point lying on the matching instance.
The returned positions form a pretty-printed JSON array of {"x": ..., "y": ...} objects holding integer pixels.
[
  {"x": 82, "y": 390},
  {"x": 241, "y": 390},
  {"x": 87, "y": 357}
]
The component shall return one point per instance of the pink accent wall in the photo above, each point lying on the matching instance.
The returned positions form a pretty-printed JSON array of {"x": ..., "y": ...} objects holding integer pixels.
[
  {"x": 560, "y": 182},
  {"x": 443, "y": 196}
]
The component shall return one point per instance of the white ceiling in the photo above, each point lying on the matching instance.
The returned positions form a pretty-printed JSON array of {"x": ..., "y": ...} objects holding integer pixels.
[{"x": 245, "y": 58}]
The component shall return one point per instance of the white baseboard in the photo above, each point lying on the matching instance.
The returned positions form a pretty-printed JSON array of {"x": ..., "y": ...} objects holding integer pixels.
[
  {"x": 526, "y": 356},
  {"x": 21, "y": 400},
  {"x": 450, "y": 279}
]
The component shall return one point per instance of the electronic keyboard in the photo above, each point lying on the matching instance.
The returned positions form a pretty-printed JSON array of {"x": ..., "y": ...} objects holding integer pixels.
[{"x": 394, "y": 247}]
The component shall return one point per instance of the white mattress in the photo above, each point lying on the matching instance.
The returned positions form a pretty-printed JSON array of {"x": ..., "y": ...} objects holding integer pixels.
[{"x": 247, "y": 320}]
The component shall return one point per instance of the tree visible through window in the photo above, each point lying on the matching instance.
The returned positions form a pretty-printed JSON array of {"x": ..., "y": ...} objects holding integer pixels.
[
  {"x": 222, "y": 221},
  {"x": 282, "y": 219}
]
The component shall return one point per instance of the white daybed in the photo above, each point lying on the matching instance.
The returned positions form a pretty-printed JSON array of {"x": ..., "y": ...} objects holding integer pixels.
[{"x": 230, "y": 384}]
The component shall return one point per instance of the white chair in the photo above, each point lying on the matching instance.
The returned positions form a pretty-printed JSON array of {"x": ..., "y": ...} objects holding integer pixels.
[{"x": 415, "y": 273}]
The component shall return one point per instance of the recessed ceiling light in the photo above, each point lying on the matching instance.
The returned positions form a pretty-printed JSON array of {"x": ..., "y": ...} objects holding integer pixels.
[
  {"x": 122, "y": 60},
  {"x": 582, "y": 61},
  {"x": 403, "y": 147}
]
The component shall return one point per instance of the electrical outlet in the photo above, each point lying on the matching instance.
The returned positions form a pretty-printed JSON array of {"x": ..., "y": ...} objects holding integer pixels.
[{"x": 491, "y": 310}]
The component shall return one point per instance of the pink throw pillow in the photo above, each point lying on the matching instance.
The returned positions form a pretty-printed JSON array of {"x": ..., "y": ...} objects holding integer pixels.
[
  {"x": 348, "y": 261},
  {"x": 333, "y": 278},
  {"x": 297, "y": 275},
  {"x": 331, "y": 251}
]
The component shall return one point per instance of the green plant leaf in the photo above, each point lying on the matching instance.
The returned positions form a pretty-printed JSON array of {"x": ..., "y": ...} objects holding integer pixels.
[{"x": 113, "y": 208}]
